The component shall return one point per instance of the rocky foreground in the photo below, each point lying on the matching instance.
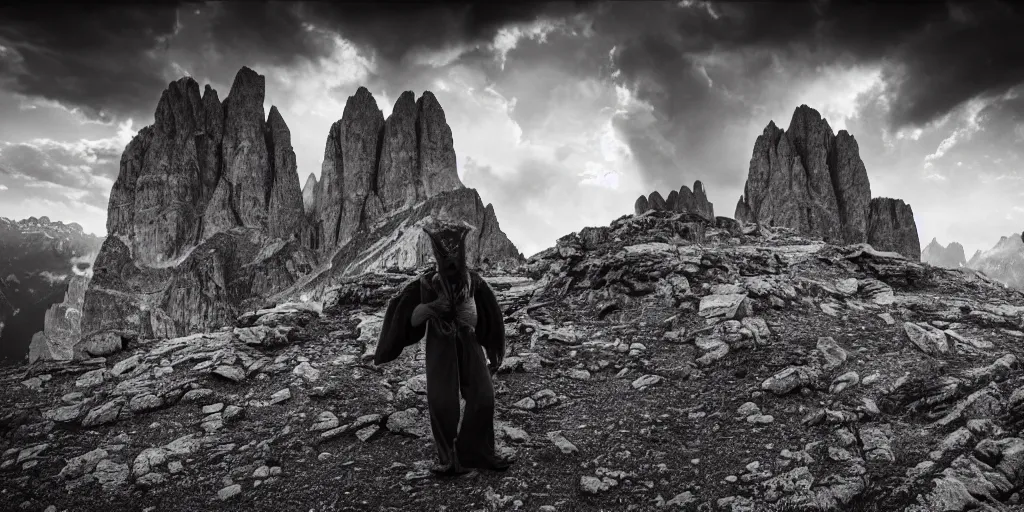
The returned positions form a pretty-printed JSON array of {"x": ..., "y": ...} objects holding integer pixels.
[{"x": 652, "y": 364}]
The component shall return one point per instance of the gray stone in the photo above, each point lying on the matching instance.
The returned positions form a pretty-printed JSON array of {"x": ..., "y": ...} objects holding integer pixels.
[
  {"x": 143, "y": 403},
  {"x": 229, "y": 492},
  {"x": 561, "y": 442},
  {"x": 326, "y": 421},
  {"x": 927, "y": 338},
  {"x": 106, "y": 413}
]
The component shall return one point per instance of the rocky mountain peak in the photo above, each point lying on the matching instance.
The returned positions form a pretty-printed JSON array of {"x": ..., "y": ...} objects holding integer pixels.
[
  {"x": 285, "y": 214},
  {"x": 207, "y": 209},
  {"x": 807, "y": 120},
  {"x": 249, "y": 88},
  {"x": 180, "y": 108},
  {"x": 812, "y": 180},
  {"x": 950, "y": 256},
  {"x": 684, "y": 200},
  {"x": 375, "y": 167},
  {"x": 1004, "y": 262},
  {"x": 436, "y": 147},
  {"x": 276, "y": 122},
  {"x": 399, "y": 180},
  {"x": 203, "y": 168}
]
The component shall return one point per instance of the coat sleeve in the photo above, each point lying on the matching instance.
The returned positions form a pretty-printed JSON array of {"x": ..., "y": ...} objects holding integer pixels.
[
  {"x": 490, "y": 322},
  {"x": 397, "y": 331}
]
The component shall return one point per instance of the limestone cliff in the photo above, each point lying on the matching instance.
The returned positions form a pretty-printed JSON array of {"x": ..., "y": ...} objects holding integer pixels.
[
  {"x": 204, "y": 167},
  {"x": 203, "y": 217},
  {"x": 309, "y": 193},
  {"x": 812, "y": 180},
  {"x": 381, "y": 175},
  {"x": 891, "y": 227}
]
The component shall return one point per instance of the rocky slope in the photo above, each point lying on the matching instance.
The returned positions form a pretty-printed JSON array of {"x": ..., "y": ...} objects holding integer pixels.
[
  {"x": 814, "y": 181},
  {"x": 1004, "y": 262},
  {"x": 651, "y": 365},
  {"x": 207, "y": 218},
  {"x": 950, "y": 256},
  {"x": 38, "y": 260}
]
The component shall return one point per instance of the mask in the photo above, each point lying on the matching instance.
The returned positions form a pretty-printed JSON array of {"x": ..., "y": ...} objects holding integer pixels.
[{"x": 448, "y": 241}]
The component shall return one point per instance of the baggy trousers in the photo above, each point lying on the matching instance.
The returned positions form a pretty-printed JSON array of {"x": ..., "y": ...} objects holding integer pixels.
[{"x": 456, "y": 363}]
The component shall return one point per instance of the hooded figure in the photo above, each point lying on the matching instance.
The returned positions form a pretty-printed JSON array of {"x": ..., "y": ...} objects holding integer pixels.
[{"x": 461, "y": 318}]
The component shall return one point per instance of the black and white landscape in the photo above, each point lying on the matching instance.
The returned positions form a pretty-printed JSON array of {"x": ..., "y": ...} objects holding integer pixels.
[{"x": 704, "y": 223}]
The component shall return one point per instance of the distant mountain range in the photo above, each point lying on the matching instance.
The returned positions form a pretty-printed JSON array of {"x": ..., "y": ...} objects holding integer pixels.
[
  {"x": 37, "y": 260},
  {"x": 1004, "y": 262},
  {"x": 950, "y": 256}
]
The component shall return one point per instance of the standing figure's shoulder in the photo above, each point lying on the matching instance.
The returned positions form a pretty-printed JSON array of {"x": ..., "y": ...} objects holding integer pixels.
[{"x": 475, "y": 278}]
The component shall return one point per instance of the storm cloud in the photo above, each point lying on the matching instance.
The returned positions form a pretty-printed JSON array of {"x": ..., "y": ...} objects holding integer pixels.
[
  {"x": 600, "y": 100},
  {"x": 104, "y": 59}
]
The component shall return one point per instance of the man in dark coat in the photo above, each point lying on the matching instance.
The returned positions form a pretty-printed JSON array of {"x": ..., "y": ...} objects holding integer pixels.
[{"x": 461, "y": 318}]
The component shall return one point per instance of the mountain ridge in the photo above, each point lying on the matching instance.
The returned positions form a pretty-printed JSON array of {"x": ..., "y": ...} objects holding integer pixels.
[
  {"x": 207, "y": 217},
  {"x": 38, "y": 260}
]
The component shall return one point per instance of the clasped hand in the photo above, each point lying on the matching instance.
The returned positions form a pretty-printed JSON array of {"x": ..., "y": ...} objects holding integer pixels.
[{"x": 441, "y": 308}]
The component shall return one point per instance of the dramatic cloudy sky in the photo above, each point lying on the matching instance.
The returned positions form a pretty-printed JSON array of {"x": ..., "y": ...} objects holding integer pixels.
[{"x": 562, "y": 113}]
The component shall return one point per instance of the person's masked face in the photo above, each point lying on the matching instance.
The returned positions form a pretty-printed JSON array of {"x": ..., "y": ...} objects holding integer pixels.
[{"x": 448, "y": 242}]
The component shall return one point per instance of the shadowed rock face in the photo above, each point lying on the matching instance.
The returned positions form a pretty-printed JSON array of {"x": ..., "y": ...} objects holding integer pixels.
[
  {"x": 892, "y": 227},
  {"x": 398, "y": 179},
  {"x": 641, "y": 205},
  {"x": 850, "y": 182},
  {"x": 349, "y": 171},
  {"x": 950, "y": 256},
  {"x": 247, "y": 165},
  {"x": 812, "y": 180},
  {"x": 285, "y": 211}
]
